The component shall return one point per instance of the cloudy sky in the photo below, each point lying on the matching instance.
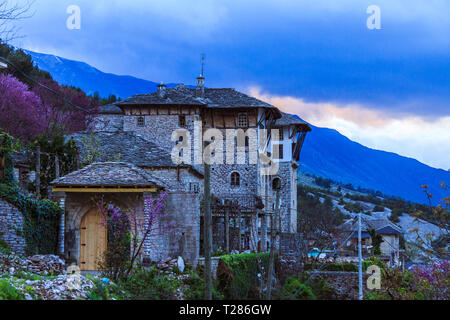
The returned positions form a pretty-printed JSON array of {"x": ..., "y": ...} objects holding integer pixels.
[{"x": 386, "y": 88}]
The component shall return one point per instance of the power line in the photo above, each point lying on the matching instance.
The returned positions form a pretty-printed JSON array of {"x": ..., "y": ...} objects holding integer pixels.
[{"x": 43, "y": 86}]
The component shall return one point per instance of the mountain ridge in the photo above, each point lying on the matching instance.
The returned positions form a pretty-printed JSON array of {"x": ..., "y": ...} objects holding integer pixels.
[
  {"x": 329, "y": 154},
  {"x": 90, "y": 79}
]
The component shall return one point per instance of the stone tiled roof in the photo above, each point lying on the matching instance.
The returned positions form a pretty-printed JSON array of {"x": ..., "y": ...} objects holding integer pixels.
[
  {"x": 213, "y": 98},
  {"x": 108, "y": 174},
  {"x": 122, "y": 146},
  {"x": 125, "y": 146},
  {"x": 388, "y": 230},
  {"x": 381, "y": 225},
  {"x": 288, "y": 120},
  {"x": 110, "y": 109}
]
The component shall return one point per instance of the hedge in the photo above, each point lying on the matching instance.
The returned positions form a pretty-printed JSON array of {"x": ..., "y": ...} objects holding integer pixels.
[{"x": 238, "y": 275}]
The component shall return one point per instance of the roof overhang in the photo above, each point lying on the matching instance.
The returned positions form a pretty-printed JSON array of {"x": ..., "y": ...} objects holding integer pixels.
[{"x": 106, "y": 189}]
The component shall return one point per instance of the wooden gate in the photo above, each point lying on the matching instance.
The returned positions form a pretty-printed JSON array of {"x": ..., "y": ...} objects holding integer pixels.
[{"x": 93, "y": 240}]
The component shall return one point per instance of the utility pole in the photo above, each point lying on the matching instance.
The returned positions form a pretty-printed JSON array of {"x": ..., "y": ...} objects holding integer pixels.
[
  {"x": 207, "y": 226},
  {"x": 273, "y": 223},
  {"x": 227, "y": 226},
  {"x": 360, "y": 258},
  {"x": 38, "y": 172}
]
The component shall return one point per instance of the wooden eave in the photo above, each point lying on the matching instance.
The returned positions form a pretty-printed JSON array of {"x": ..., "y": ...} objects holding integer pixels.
[{"x": 106, "y": 189}]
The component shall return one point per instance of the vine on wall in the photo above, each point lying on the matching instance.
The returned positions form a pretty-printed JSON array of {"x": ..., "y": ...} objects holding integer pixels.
[{"x": 40, "y": 217}]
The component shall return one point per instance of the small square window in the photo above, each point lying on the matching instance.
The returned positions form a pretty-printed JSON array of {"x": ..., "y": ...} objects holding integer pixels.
[
  {"x": 194, "y": 187},
  {"x": 242, "y": 120},
  {"x": 140, "y": 121},
  {"x": 235, "y": 179}
]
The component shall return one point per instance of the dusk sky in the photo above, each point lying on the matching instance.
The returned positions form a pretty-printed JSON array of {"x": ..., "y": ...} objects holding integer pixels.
[{"x": 386, "y": 88}]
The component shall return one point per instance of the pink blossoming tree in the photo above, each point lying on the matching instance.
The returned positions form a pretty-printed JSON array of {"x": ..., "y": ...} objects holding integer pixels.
[
  {"x": 21, "y": 110},
  {"x": 136, "y": 228}
]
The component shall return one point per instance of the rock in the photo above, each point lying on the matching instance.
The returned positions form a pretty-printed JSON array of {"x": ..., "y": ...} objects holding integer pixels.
[
  {"x": 180, "y": 264},
  {"x": 162, "y": 266}
]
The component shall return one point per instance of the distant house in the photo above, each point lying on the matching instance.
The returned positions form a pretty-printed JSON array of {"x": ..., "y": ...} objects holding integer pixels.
[{"x": 390, "y": 233}]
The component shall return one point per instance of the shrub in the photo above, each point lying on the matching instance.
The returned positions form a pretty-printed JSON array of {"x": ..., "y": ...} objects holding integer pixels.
[
  {"x": 240, "y": 275},
  {"x": 4, "y": 245},
  {"x": 395, "y": 214},
  {"x": 149, "y": 284},
  {"x": 353, "y": 207},
  {"x": 293, "y": 289},
  {"x": 104, "y": 291},
  {"x": 373, "y": 295},
  {"x": 195, "y": 287},
  {"x": 40, "y": 217},
  {"x": 8, "y": 292},
  {"x": 319, "y": 287},
  {"x": 378, "y": 208},
  {"x": 219, "y": 252},
  {"x": 377, "y": 240},
  {"x": 116, "y": 258}
]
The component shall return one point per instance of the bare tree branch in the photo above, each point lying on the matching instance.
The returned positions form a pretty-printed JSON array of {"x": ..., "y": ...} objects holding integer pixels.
[{"x": 10, "y": 12}]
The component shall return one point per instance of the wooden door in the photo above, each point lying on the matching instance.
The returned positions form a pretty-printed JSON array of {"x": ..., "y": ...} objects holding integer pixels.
[
  {"x": 93, "y": 240},
  {"x": 2, "y": 166}
]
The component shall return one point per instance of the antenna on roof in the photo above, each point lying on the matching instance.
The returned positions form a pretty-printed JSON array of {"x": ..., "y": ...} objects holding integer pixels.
[
  {"x": 200, "y": 91},
  {"x": 203, "y": 65}
]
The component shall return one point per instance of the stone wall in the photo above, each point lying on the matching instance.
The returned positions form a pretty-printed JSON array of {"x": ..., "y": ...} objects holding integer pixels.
[
  {"x": 177, "y": 179},
  {"x": 182, "y": 208},
  {"x": 288, "y": 197},
  {"x": 107, "y": 123},
  {"x": 11, "y": 221},
  {"x": 159, "y": 128},
  {"x": 78, "y": 204},
  {"x": 344, "y": 284},
  {"x": 183, "y": 211}
]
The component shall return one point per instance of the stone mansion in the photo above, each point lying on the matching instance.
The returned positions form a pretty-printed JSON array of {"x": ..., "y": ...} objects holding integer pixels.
[{"x": 134, "y": 143}]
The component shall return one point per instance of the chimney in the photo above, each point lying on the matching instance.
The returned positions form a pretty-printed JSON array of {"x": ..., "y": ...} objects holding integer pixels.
[
  {"x": 162, "y": 90},
  {"x": 200, "y": 91}
]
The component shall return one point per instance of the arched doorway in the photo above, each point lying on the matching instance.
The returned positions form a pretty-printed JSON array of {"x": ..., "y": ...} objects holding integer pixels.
[{"x": 93, "y": 240}]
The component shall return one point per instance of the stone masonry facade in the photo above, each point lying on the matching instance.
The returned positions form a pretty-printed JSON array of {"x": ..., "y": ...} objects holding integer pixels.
[
  {"x": 183, "y": 238},
  {"x": 147, "y": 128},
  {"x": 11, "y": 222}
]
